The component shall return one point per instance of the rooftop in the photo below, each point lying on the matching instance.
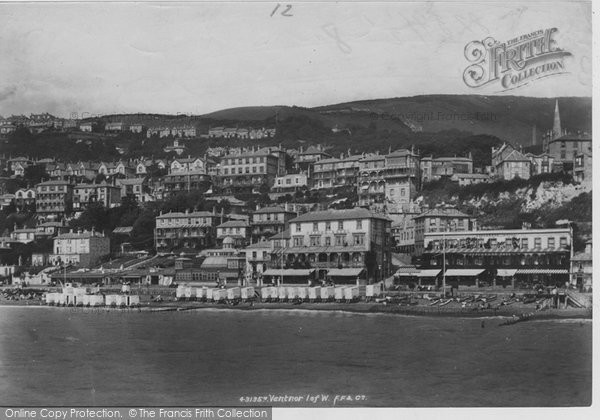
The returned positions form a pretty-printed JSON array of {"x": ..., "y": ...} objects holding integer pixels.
[
  {"x": 272, "y": 209},
  {"x": 175, "y": 214},
  {"x": 233, "y": 223},
  {"x": 355, "y": 213},
  {"x": 442, "y": 213}
]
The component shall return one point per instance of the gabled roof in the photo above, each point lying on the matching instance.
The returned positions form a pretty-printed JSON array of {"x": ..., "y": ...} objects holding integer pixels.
[{"x": 515, "y": 156}]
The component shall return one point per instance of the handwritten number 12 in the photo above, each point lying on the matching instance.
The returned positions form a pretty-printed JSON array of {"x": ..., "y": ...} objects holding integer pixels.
[{"x": 285, "y": 12}]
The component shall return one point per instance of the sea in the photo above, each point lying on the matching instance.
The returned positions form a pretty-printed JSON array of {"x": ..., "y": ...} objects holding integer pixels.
[{"x": 289, "y": 358}]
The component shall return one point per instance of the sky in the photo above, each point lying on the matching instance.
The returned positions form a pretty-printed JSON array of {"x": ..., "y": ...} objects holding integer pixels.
[{"x": 195, "y": 58}]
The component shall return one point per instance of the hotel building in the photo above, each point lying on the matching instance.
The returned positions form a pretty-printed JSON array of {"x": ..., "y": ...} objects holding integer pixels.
[{"x": 349, "y": 243}]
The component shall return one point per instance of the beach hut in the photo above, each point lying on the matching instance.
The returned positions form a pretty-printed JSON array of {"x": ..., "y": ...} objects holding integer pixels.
[
  {"x": 111, "y": 300},
  {"x": 266, "y": 294},
  {"x": 180, "y": 292},
  {"x": 121, "y": 300},
  {"x": 314, "y": 293},
  {"x": 61, "y": 299},
  {"x": 339, "y": 294},
  {"x": 292, "y": 292},
  {"x": 234, "y": 293},
  {"x": 247, "y": 293},
  {"x": 282, "y": 293},
  {"x": 303, "y": 293},
  {"x": 133, "y": 300},
  {"x": 373, "y": 291},
  {"x": 188, "y": 292},
  {"x": 201, "y": 293},
  {"x": 126, "y": 288},
  {"x": 327, "y": 293},
  {"x": 219, "y": 295},
  {"x": 86, "y": 300},
  {"x": 351, "y": 293},
  {"x": 51, "y": 298},
  {"x": 95, "y": 300}
]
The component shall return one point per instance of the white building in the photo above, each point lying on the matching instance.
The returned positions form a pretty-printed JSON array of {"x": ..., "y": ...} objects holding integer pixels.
[{"x": 84, "y": 249}]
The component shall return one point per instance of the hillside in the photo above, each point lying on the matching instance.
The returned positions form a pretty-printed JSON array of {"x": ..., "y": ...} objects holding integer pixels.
[{"x": 509, "y": 118}]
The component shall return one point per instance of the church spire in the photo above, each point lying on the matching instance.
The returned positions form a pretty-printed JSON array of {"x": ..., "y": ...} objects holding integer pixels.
[{"x": 556, "y": 129}]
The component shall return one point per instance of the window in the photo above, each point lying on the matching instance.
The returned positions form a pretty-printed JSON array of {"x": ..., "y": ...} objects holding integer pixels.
[
  {"x": 551, "y": 243},
  {"x": 315, "y": 227},
  {"x": 328, "y": 241},
  {"x": 391, "y": 191},
  {"x": 297, "y": 227},
  {"x": 563, "y": 154},
  {"x": 298, "y": 241},
  {"x": 563, "y": 242},
  {"x": 525, "y": 243},
  {"x": 359, "y": 239},
  {"x": 537, "y": 243},
  {"x": 315, "y": 241},
  {"x": 339, "y": 240},
  {"x": 340, "y": 225},
  {"x": 402, "y": 192},
  {"x": 328, "y": 226}
]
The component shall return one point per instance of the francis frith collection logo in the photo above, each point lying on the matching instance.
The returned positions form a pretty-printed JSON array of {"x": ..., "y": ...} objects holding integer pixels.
[{"x": 516, "y": 62}]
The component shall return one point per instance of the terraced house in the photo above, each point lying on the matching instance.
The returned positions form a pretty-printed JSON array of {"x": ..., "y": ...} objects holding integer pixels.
[
  {"x": 269, "y": 221},
  {"x": 388, "y": 179},
  {"x": 54, "y": 199},
  {"x": 249, "y": 170},
  {"x": 185, "y": 230}
]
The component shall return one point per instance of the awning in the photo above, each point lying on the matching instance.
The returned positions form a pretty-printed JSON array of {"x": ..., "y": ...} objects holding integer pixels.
[
  {"x": 345, "y": 272},
  {"x": 542, "y": 271},
  {"x": 464, "y": 272},
  {"x": 289, "y": 272},
  {"x": 428, "y": 273},
  {"x": 504, "y": 272},
  {"x": 406, "y": 274},
  {"x": 407, "y": 269}
]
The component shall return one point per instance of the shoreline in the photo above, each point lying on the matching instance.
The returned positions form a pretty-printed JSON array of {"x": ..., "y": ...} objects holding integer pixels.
[{"x": 350, "y": 308}]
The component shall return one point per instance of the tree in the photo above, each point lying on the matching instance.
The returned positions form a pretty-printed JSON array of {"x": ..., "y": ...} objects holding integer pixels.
[
  {"x": 95, "y": 216},
  {"x": 129, "y": 203},
  {"x": 35, "y": 173}
]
